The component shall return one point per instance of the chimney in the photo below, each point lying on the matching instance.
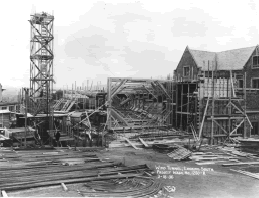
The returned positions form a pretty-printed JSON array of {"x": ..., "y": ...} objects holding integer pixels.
[{"x": 0, "y": 92}]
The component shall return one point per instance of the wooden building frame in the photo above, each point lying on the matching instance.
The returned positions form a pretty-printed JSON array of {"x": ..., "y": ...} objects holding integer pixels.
[{"x": 139, "y": 103}]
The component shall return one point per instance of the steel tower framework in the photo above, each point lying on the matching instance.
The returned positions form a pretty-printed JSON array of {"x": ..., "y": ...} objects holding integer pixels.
[{"x": 41, "y": 62}]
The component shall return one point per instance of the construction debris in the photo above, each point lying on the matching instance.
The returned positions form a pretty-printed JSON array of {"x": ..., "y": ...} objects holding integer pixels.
[
  {"x": 241, "y": 164},
  {"x": 254, "y": 175},
  {"x": 180, "y": 154},
  {"x": 135, "y": 187},
  {"x": 43, "y": 168}
]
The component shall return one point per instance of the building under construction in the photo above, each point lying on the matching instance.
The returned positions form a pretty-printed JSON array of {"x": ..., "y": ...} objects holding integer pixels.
[
  {"x": 216, "y": 93},
  {"x": 211, "y": 95}
]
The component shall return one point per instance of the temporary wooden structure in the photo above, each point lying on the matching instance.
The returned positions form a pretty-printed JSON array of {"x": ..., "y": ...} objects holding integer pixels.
[{"x": 138, "y": 103}]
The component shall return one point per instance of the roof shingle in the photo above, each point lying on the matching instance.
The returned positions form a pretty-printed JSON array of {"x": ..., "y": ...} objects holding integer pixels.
[{"x": 226, "y": 60}]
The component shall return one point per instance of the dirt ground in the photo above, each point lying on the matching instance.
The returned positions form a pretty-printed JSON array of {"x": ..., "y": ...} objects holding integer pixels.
[
  {"x": 217, "y": 182},
  {"x": 221, "y": 182}
]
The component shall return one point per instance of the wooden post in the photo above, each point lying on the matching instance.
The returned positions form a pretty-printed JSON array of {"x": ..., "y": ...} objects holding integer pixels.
[
  {"x": 208, "y": 80},
  {"x": 109, "y": 103},
  {"x": 172, "y": 95},
  {"x": 181, "y": 124},
  {"x": 202, "y": 122},
  {"x": 176, "y": 106},
  {"x": 91, "y": 86},
  {"x": 25, "y": 125},
  {"x": 72, "y": 91},
  {"x": 188, "y": 106},
  {"x": 244, "y": 89},
  {"x": 212, "y": 112},
  {"x": 230, "y": 106},
  {"x": 75, "y": 89},
  {"x": 197, "y": 108}
]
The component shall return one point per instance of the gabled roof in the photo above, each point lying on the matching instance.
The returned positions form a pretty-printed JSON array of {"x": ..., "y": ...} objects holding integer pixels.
[
  {"x": 201, "y": 56},
  {"x": 226, "y": 60},
  {"x": 234, "y": 59}
]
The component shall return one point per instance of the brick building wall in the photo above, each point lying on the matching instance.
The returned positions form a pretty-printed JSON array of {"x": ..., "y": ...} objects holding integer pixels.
[
  {"x": 252, "y": 101},
  {"x": 252, "y": 97}
]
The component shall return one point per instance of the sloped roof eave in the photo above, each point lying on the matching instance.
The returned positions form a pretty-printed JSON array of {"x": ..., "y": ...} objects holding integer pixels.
[{"x": 193, "y": 57}]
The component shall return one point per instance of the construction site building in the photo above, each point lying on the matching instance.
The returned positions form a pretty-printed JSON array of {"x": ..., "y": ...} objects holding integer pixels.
[{"x": 216, "y": 93}]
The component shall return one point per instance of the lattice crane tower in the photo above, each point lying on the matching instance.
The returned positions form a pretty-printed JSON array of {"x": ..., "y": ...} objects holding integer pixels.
[{"x": 41, "y": 64}]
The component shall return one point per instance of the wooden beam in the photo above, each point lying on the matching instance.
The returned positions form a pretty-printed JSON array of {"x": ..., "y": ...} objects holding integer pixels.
[
  {"x": 205, "y": 111},
  {"x": 131, "y": 143},
  {"x": 118, "y": 88},
  {"x": 143, "y": 142},
  {"x": 221, "y": 127}
]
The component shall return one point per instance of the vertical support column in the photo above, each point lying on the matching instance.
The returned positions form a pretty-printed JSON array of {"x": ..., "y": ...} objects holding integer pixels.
[
  {"x": 176, "y": 106},
  {"x": 181, "y": 124},
  {"x": 230, "y": 106},
  {"x": 244, "y": 88},
  {"x": 188, "y": 106},
  {"x": 197, "y": 108},
  {"x": 25, "y": 126},
  {"x": 109, "y": 103},
  {"x": 208, "y": 96},
  {"x": 212, "y": 111},
  {"x": 172, "y": 103}
]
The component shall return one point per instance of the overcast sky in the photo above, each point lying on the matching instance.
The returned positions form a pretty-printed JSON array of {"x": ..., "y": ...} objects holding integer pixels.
[{"x": 97, "y": 39}]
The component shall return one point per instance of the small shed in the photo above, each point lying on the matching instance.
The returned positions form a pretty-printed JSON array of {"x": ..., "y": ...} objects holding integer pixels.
[{"x": 6, "y": 118}]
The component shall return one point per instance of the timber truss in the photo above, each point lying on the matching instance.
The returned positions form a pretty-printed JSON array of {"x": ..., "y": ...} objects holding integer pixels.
[
  {"x": 41, "y": 61},
  {"x": 138, "y": 103}
]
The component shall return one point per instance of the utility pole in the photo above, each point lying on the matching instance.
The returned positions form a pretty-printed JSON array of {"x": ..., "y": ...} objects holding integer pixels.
[{"x": 25, "y": 124}]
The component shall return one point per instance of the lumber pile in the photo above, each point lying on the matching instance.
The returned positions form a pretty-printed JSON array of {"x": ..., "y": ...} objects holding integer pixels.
[
  {"x": 236, "y": 152},
  {"x": 241, "y": 164},
  {"x": 253, "y": 175},
  {"x": 138, "y": 143},
  {"x": 28, "y": 169},
  {"x": 180, "y": 153},
  {"x": 215, "y": 157}
]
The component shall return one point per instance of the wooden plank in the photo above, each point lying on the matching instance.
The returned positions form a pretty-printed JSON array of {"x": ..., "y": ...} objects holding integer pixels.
[
  {"x": 205, "y": 111},
  {"x": 131, "y": 143},
  {"x": 247, "y": 173},
  {"x": 240, "y": 164},
  {"x": 4, "y": 193},
  {"x": 143, "y": 142}
]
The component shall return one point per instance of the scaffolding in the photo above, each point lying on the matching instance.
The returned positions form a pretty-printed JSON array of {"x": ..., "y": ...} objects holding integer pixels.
[
  {"x": 41, "y": 62},
  {"x": 208, "y": 105},
  {"x": 41, "y": 68}
]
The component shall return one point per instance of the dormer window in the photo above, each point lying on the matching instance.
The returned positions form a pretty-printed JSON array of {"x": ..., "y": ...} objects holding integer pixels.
[
  {"x": 255, "y": 62},
  {"x": 186, "y": 71}
]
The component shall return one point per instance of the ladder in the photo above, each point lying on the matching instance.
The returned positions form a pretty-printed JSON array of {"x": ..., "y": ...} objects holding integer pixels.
[
  {"x": 58, "y": 103},
  {"x": 65, "y": 105}
]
